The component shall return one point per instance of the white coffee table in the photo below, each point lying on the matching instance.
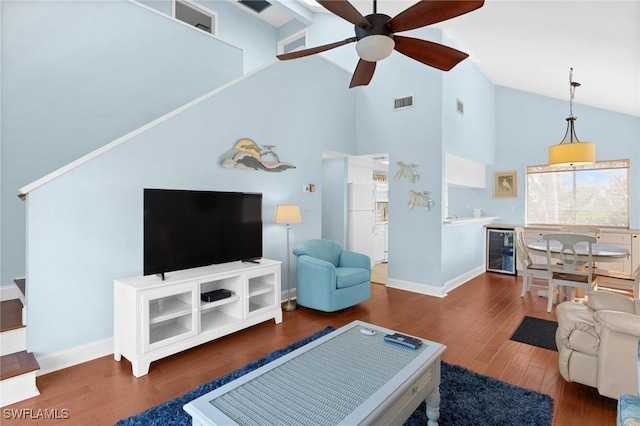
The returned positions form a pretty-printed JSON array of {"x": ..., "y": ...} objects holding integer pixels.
[{"x": 343, "y": 378}]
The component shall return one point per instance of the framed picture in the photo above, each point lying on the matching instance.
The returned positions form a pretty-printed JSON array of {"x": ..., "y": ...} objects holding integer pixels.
[{"x": 505, "y": 184}]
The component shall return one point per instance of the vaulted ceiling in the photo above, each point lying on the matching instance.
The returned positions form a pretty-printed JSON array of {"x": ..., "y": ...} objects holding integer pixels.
[{"x": 531, "y": 46}]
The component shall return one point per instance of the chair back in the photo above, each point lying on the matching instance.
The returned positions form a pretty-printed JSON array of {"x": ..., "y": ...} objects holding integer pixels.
[
  {"x": 327, "y": 250},
  {"x": 581, "y": 229},
  {"x": 522, "y": 253},
  {"x": 567, "y": 252}
]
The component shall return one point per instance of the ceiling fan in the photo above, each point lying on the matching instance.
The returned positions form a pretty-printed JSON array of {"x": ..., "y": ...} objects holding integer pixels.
[{"x": 376, "y": 38}]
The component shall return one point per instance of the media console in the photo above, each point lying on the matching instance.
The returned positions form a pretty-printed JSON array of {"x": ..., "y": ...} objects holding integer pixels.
[{"x": 155, "y": 318}]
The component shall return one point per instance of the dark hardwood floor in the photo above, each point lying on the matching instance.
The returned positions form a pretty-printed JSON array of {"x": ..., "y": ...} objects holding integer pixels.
[{"x": 473, "y": 321}]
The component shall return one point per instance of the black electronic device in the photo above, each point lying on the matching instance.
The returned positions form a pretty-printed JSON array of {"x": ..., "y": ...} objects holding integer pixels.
[
  {"x": 212, "y": 296},
  {"x": 404, "y": 340},
  {"x": 186, "y": 229}
]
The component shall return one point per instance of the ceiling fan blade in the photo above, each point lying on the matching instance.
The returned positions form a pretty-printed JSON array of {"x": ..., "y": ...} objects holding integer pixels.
[
  {"x": 433, "y": 54},
  {"x": 363, "y": 74},
  {"x": 346, "y": 11},
  {"x": 427, "y": 12},
  {"x": 313, "y": 50}
]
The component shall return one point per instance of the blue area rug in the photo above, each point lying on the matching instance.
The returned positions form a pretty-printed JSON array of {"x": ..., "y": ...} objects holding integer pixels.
[{"x": 467, "y": 398}]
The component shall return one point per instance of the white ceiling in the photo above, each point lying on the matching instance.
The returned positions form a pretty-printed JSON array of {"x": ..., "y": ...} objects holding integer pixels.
[{"x": 531, "y": 45}]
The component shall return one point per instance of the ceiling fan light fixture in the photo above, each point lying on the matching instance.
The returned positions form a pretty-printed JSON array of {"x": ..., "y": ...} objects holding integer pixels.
[{"x": 375, "y": 47}]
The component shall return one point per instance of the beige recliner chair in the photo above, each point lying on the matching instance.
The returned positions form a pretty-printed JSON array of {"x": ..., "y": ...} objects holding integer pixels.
[{"x": 598, "y": 344}]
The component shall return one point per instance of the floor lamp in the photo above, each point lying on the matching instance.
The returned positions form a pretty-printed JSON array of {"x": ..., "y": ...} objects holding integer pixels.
[{"x": 286, "y": 215}]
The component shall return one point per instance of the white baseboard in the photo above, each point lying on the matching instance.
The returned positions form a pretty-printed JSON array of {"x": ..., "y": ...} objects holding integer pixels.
[
  {"x": 428, "y": 289},
  {"x": 461, "y": 279},
  {"x": 9, "y": 292},
  {"x": 433, "y": 290},
  {"x": 74, "y": 356}
]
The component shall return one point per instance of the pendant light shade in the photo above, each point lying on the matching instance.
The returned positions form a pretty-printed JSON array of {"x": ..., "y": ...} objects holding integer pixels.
[{"x": 571, "y": 152}]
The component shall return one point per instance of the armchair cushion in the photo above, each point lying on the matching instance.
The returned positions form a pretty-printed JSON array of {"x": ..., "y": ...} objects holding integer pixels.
[{"x": 346, "y": 277}]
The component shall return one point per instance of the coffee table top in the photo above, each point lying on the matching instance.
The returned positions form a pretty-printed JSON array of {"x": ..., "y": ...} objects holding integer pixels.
[{"x": 338, "y": 378}]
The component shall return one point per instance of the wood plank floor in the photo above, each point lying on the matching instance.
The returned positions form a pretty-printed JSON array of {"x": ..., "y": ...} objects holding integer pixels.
[{"x": 474, "y": 321}]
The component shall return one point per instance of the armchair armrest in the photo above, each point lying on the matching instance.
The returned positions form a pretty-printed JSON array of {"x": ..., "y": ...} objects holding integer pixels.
[
  {"x": 576, "y": 328},
  {"x": 351, "y": 259},
  {"x": 621, "y": 322}
]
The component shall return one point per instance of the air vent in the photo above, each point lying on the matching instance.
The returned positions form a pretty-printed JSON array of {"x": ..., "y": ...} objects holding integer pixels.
[
  {"x": 402, "y": 103},
  {"x": 460, "y": 106},
  {"x": 257, "y": 6}
]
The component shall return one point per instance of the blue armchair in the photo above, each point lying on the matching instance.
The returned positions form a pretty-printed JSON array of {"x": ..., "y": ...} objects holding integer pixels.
[{"x": 330, "y": 278}]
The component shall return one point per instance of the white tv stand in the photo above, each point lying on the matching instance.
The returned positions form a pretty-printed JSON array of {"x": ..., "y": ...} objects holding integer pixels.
[{"x": 155, "y": 318}]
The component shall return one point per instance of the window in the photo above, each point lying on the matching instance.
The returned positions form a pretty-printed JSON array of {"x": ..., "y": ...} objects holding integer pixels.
[
  {"x": 293, "y": 42},
  {"x": 595, "y": 194},
  {"x": 197, "y": 16}
]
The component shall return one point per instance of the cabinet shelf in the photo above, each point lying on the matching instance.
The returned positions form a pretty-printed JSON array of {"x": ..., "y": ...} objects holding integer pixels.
[
  {"x": 166, "y": 331},
  {"x": 167, "y": 308},
  {"x": 256, "y": 306},
  {"x": 259, "y": 287},
  {"x": 215, "y": 319},
  {"x": 204, "y": 306}
]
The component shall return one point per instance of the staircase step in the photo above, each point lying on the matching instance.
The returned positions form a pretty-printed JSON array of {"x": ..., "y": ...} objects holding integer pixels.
[
  {"x": 17, "y": 364},
  {"x": 22, "y": 285},
  {"x": 10, "y": 315}
]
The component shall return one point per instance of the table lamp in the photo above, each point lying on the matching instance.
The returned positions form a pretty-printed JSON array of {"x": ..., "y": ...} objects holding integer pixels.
[{"x": 288, "y": 214}]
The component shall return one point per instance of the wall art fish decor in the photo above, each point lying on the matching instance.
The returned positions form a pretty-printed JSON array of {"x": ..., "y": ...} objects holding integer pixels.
[
  {"x": 247, "y": 155},
  {"x": 420, "y": 199},
  {"x": 407, "y": 171}
]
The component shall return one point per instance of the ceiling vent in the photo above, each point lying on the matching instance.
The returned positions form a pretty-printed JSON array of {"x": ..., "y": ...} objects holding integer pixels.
[
  {"x": 257, "y": 6},
  {"x": 403, "y": 103}
]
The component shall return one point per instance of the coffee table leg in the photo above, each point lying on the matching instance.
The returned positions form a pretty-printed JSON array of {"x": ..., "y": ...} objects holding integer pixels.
[{"x": 433, "y": 407}]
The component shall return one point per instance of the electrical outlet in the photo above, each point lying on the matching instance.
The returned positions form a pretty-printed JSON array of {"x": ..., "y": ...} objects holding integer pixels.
[
  {"x": 512, "y": 209},
  {"x": 306, "y": 188}
]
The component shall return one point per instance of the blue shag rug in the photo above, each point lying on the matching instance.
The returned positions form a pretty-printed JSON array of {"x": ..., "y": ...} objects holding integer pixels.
[{"x": 467, "y": 398}]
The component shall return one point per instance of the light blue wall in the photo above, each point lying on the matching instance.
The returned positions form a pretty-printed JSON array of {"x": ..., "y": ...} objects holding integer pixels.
[
  {"x": 470, "y": 136},
  {"x": 412, "y": 135},
  {"x": 235, "y": 25},
  {"x": 335, "y": 199},
  {"x": 77, "y": 75},
  {"x": 85, "y": 227}
]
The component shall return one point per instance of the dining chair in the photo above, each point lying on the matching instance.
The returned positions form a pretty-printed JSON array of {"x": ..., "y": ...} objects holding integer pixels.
[
  {"x": 530, "y": 270},
  {"x": 581, "y": 229},
  {"x": 574, "y": 270}
]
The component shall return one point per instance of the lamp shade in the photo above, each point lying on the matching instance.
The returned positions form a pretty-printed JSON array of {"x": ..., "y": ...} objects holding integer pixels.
[
  {"x": 287, "y": 214},
  {"x": 572, "y": 154}
]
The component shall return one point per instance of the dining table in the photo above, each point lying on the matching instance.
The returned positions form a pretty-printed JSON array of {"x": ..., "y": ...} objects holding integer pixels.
[{"x": 599, "y": 252}]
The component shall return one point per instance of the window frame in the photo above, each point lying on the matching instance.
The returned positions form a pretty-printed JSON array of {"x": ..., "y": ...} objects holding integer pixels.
[{"x": 599, "y": 165}]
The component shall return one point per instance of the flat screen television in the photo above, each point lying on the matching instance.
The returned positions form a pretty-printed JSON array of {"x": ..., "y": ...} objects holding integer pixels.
[{"x": 186, "y": 229}]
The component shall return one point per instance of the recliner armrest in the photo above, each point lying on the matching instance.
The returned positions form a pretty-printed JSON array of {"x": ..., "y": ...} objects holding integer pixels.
[
  {"x": 621, "y": 322},
  {"x": 576, "y": 328},
  {"x": 351, "y": 259}
]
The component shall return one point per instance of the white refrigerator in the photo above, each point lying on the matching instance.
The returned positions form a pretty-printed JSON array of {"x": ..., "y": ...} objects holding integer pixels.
[{"x": 362, "y": 215}]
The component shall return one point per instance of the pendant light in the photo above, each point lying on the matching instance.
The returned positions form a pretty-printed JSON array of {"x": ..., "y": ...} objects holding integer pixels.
[{"x": 570, "y": 151}]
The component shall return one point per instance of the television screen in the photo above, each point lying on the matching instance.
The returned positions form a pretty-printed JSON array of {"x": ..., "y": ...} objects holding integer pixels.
[{"x": 186, "y": 229}]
